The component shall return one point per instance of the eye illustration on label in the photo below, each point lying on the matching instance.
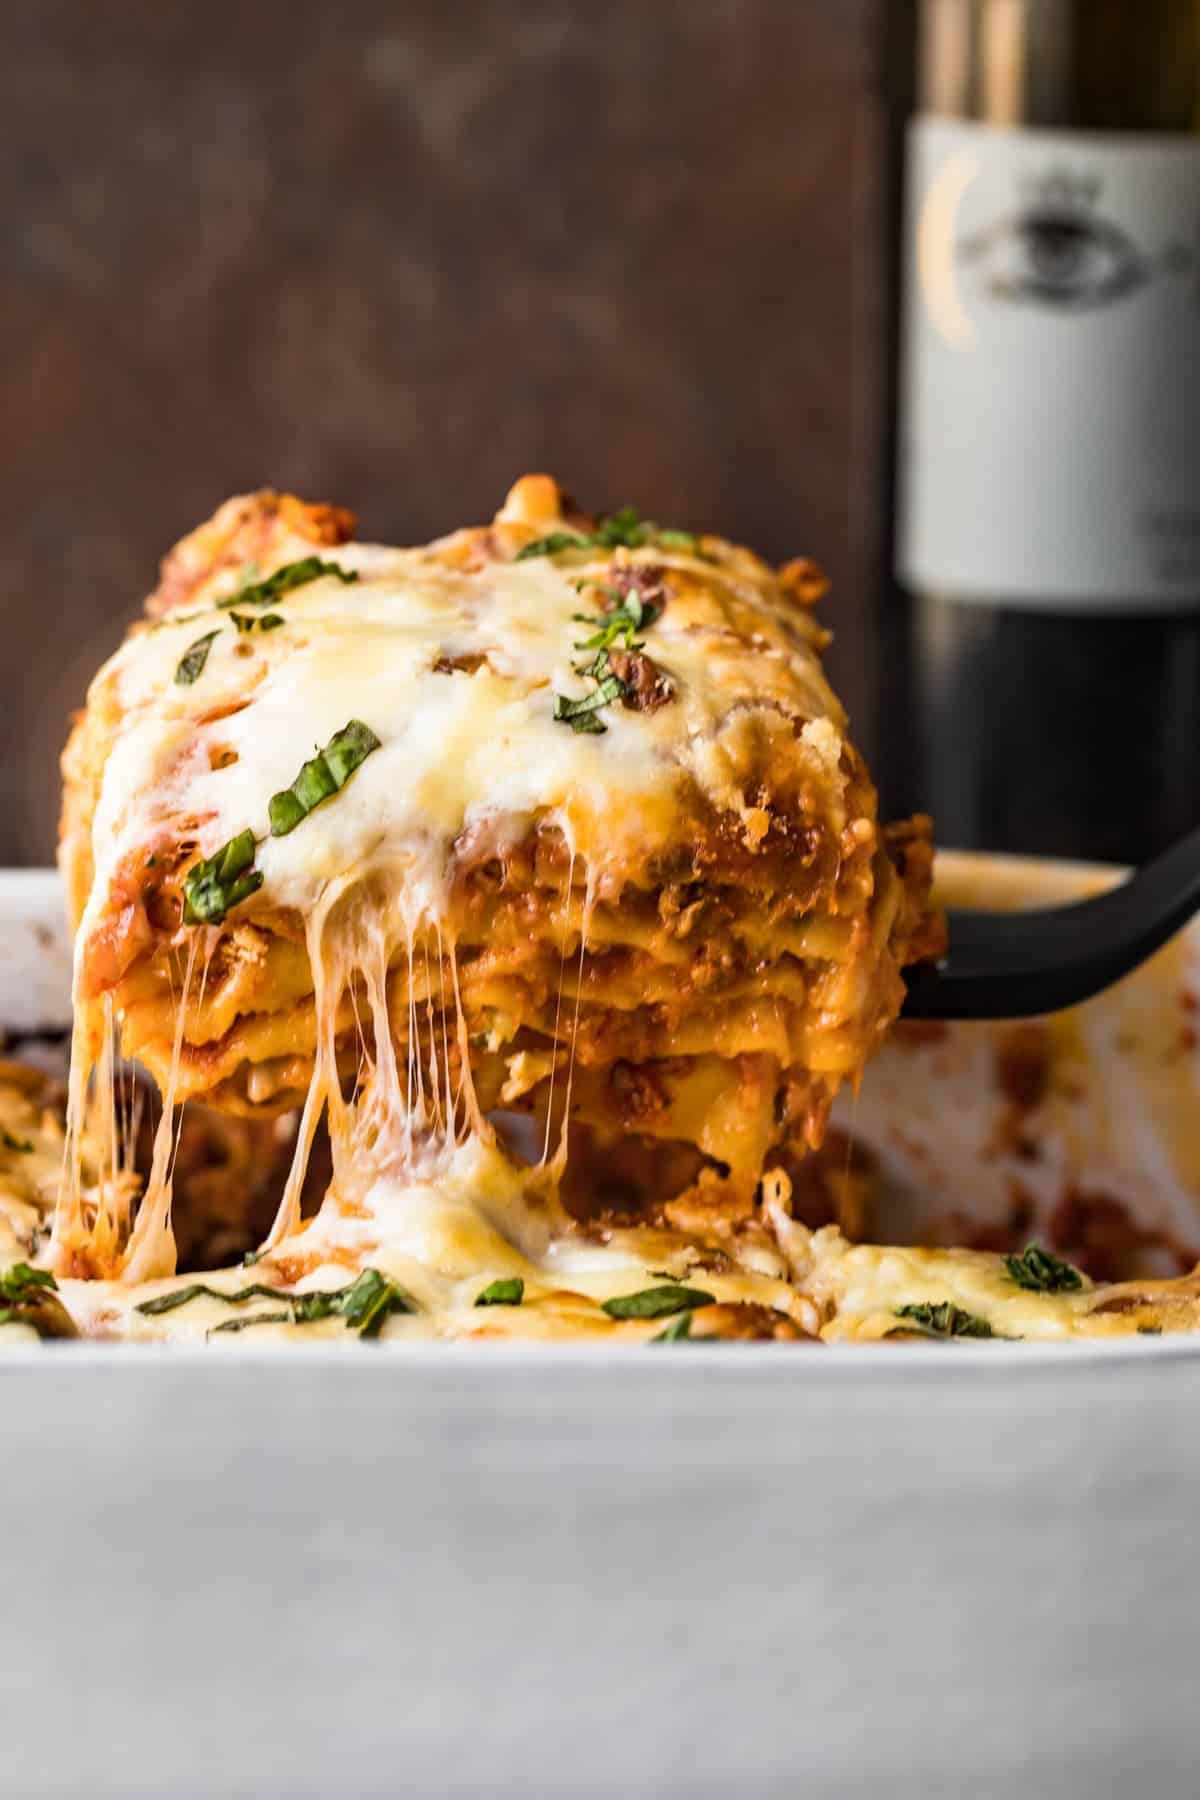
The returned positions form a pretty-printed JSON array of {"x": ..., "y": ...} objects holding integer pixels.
[{"x": 1059, "y": 250}]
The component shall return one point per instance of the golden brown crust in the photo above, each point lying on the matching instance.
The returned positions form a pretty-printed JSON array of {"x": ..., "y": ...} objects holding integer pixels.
[{"x": 256, "y": 531}]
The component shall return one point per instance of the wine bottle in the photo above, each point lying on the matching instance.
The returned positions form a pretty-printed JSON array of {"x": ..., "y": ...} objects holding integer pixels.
[{"x": 1046, "y": 545}]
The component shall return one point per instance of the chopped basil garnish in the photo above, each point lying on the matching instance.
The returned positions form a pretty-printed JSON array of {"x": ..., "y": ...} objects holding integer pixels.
[
  {"x": 619, "y": 530},
  {"x": 20, "y": 1281},
  {"x": 677, "y": 1329},
  {"x": 556, "y": 541},
  {"x": 329, "y": 770},
  {"x": 624, "y": 528},
  {"x": 364, "y": 1304},
  {"x": 944, "y": 1320},
  {"x": 620, "y": 626},
  {"x": 292, "y": 575},
  {"x": 264, "y": 1318},
  {"x": 22, "y": 1146},
  {"x": 580, "y": 715},
  {"x": 30, "y": 1297},
  {"x": 212, "y": 887},
  {"x": 191, "y": 664},
  {"x": 509, "y": 1292},
  {"x": 368, "y": 1301},
  {"x": 165, "y": 1303},
  {"x": 687, "y": 541},
  {"x": 1042, "y": 1273},
  {"x": 623, "y": 621},
  {"x": 657, "y": 1302},
  {"x": 247, "y": 622}
]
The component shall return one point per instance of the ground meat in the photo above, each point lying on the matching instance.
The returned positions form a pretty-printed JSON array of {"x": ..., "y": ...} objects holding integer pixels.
[
  {"x": 647, "y": 687},
  {"x": 641, "y": 1097},
  {"x": 643, "y": 579},
  {"x": 459, "y": 665}
]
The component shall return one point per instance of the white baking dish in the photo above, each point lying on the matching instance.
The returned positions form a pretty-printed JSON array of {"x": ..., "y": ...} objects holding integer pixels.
[{"x": 718, "y": 1570}]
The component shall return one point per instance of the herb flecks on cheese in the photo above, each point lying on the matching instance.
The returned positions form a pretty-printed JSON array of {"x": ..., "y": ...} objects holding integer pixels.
[
  {"x": 191, "y": 664},
  {"x": 322, "y": 776},
  {"x": 623, "y": 529},
  {"x": 1042, "y": 1273},
  {"x": 363, "y": 1303},
  {"x": 942, "y": 1319},
  {"x": 214, "y": 886},
  {"x": 657, "y": 1302},
  {"x": 509, "y": 1291},
  {"x": 30, "y": 1297},
  {"x": 291, "y": 575},
  {"x": 580, "y": 714}
]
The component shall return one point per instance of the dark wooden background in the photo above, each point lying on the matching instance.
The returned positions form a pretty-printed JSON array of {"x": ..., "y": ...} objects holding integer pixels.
[{"x": 393, "y": 255}]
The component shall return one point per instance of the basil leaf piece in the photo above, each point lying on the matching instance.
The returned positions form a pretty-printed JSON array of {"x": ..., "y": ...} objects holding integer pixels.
[
  {"x": 329, "y": 770},
  {"x": 19, "y": 1281},
  {"x": 364, "y": 1303},
  {"x": 587, "y": 724},
  {"x": 1042, "y": 1273},
  {"x": 572, "y": 712},
  {"x": 553, "y": 543},
  {"x": 20, "y": 1146},
  {"x": 623, "y": 622},
  {"x": 679, "y": 1328},
  {"x": 247, "y": 621},
  {"x": 687, "y": 541},
  {"x": 213, "y": 887},
  {"x": 191, "y": 664},
  {"x": 657, "y": 1302},
  {"x": 30, "y": 1297},
  {"x": 944, "y": 1320},
  {"x": 509, "y": 1292},
  {"x": 266, "y": 1318},
  {"x": 620, "y": 530},
  {"x": 165, "y": 1303},
  {"x": 291, "y": 575},
  {"x": 367, "y": 1302}
]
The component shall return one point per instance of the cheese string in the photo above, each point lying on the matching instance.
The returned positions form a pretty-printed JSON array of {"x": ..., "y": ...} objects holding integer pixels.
[{"x": 151, "y": 1249}]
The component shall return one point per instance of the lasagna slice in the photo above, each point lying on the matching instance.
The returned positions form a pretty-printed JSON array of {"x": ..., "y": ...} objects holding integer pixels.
[{"x": 554, "y": 818}]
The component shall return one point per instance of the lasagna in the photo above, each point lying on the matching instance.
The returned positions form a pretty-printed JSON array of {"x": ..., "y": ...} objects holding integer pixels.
[
  {"x": 534, "y": 874},
  {"x": 555, "y": 817}
]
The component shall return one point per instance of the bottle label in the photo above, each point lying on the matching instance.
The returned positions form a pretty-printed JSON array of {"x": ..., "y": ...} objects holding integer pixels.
[{"x": 1049, "y": 449}]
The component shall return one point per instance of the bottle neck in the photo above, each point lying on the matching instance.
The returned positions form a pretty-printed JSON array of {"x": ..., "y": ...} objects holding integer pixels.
[{"x": 1100, "y": 65}]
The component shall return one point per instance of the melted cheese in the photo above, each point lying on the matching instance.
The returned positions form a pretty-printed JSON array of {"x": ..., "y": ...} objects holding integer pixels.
[
  {"x": 442, "y": 1242},
  {"x": 458, "y": 749}
]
